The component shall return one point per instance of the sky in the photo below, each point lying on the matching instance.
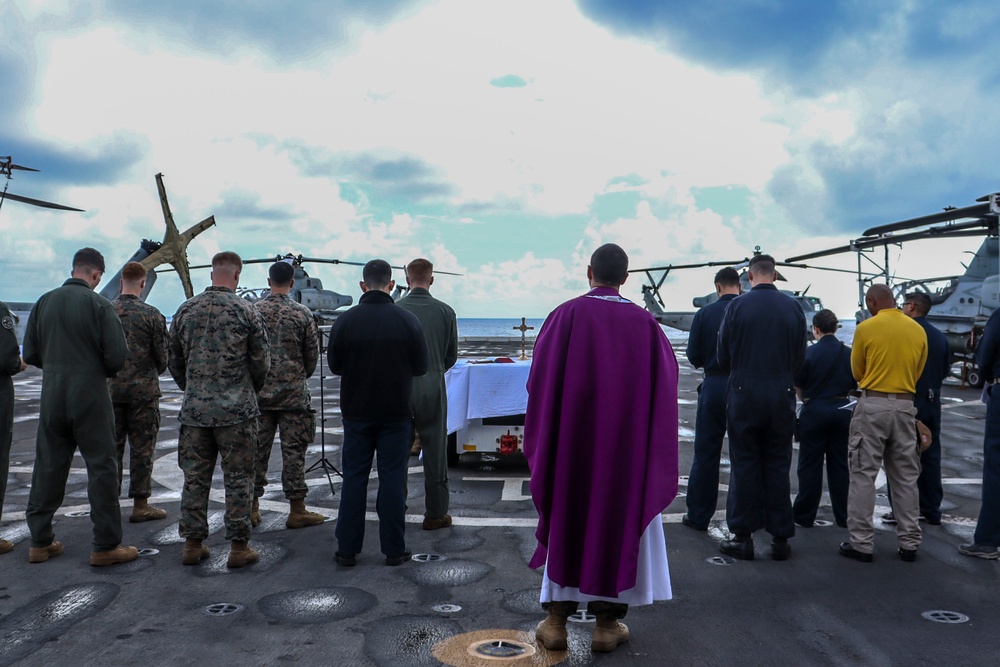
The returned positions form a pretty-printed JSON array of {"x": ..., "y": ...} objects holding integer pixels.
[{"x": 504, "y": 140}]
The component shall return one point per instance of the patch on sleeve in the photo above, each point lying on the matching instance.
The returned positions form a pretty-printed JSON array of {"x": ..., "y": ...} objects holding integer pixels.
[{"x": 8, "y": 322}]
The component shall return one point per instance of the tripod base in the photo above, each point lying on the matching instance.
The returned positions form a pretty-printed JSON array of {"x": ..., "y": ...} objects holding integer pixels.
[{"x": 325, "y": 465}]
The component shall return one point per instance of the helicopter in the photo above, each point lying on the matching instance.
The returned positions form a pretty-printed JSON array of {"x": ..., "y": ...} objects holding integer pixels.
[
  {"x": 653, "y": 302},
  {"x": 7, "y": 168},
  {"x": 960, "y": 304},
  {"x": 309, "y": 291},
  {"x": 306, "y": 290},
  {"x": 151, "y": 254}
]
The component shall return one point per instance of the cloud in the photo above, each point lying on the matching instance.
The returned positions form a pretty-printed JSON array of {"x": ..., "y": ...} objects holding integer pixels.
[
  {"x": 225, "y": 27},
  {"x": 508, "y": 81}
]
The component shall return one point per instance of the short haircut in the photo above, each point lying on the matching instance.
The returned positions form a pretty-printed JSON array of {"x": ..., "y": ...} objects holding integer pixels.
[
  {"x": 922, "y": 301},
  {"x": 609, "y": 265},
  {"x": 420, "y": 270},
  {"x": 826, "y": 321},
  {"x": 133, "y": 272},
  {"x": 727, "y": 277},
  {"x": 229, "y": 259},
  {"x": 762, "y": 264},
  {"x": 88, "y": 258},
  {"x": 377, "y": 274},
  {"x": 281, "y": 273}
]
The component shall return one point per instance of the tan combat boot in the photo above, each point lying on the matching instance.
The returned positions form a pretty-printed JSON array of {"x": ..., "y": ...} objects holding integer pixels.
[
  {"x": 255, "y": 513},
  {"x": 608, "y": 634},
  {"x": 551, "y": 632},
  {"x": 6, "y": 546},
  {"x": 241, "y": 554},
  {"x": 194, "y": 552},
  {"x": 42, "y": 554},
  {"x": 300, "y": 517},
  {"x": 143, "y": 511},
  {"x": 120, "y": 554}
]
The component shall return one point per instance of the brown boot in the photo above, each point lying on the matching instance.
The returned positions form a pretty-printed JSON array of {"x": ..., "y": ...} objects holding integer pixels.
[
  {"x": 255, "y": 513},
  {"x": 300, "y": 517},
  {"x": 42, "y": 554},
  {"x": 6, "y": 546},
  {"x": 551, "y": 632},
  {"x": 194, "y": 552},
  {"x": 608, "y": 634},
  {"x": 241, "y": 554},
  {"x": 143, "y": 511},
  {"x": 120, "y": 554}
]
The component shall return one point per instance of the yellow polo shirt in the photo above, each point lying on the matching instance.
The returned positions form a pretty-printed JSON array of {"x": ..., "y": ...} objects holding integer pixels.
[{"x": 889, "y": 353}]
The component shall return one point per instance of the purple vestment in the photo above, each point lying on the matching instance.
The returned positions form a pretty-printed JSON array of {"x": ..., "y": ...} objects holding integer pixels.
[{"x": 600, "y": 435}]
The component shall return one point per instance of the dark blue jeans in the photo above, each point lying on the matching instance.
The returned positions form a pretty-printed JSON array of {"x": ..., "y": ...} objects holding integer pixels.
[
  {"x": 389, "y": 443},
  {"x": 988, "y": 528},
  {"x": 709, "y": 430}
]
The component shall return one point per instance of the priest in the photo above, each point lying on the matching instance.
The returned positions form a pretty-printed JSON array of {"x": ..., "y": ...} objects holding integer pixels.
[{"x": 601, "y": 440}]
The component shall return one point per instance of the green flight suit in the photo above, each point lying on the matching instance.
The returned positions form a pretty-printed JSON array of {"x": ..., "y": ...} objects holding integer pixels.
[
  {"x": 10, "y": 364},
  {"x": 429, "y": 399},
  {"x": 75, "y": 337}
]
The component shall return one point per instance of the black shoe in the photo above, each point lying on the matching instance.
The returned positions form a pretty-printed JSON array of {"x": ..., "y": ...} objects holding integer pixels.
[
  {"x": 931, "y": 520},
  {"x": 739, "y": 548},
  {"x": 347, "y": 560},
  {"x": 398, "y": 560},
  {"x": 907, "y": 555},
  {"x": 889, "y": 518},
  {"x": 848, "y": 551},
  {"x": 691, "y": 524},
  {"x": 780, "y": 548}
]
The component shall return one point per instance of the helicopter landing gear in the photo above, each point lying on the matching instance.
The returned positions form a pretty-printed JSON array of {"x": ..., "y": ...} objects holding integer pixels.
[{"x": 973, "y": 376}]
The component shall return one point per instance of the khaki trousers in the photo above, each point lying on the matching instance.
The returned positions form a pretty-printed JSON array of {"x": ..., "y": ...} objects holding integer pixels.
[{"x": 883, "y": 430}]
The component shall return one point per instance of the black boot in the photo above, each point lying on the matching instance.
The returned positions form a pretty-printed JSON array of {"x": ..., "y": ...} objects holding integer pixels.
[{"x": 740, "y": 547}]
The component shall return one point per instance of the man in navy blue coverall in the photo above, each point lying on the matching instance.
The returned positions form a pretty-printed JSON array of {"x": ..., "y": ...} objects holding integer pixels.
[
  {"x": 710, "y": 420},
  {"x": 761, "y": 344}
]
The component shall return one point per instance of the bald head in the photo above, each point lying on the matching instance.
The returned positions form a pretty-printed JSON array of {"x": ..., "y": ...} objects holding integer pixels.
[{"x": 879, "y": 297}]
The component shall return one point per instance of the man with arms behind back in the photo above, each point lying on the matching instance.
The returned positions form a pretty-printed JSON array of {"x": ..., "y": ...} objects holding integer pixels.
[
  {"x": 74, "y": 336},
  {"x": 135, "y": 390},
  {"x": 429, "y": 398}
]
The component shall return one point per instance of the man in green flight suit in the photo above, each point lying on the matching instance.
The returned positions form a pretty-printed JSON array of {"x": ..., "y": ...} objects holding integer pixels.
[
  {"x": 75, "y": 337},
  {"x": 429, "y": 399},
  {"x": 10, "y": 364}
]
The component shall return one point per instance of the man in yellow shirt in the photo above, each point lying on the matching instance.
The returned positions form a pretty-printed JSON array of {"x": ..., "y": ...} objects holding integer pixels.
[{"x": 887, "y": 358}]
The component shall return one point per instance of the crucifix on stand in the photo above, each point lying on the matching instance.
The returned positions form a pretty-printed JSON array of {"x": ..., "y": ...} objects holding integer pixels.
[{"x": 524, "y": 327}]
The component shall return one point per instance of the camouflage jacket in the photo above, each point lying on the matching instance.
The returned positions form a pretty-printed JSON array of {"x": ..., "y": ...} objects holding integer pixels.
[
  {"x": 219, "y": 355},
  {"x": 146, "y": 334},
  {"x": 294, "y": 353}
]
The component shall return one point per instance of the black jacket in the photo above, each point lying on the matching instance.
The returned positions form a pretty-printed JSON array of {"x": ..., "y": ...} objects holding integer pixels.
[{"x": 377, "y": 348}]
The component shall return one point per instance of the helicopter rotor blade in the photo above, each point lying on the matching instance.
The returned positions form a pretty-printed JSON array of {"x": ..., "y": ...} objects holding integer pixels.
[
  {"x": 974, "y": 211},
  {"x": 38, "y": 202}
]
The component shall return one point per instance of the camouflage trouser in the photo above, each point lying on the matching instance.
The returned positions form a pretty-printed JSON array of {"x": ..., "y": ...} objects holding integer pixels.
[
  {"x": 196, "y": 453},
  {"x": 138, "y": 422},
  {"x": 298, "y": 429}
]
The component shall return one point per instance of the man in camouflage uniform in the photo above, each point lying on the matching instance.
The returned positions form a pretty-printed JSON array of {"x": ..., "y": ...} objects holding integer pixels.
[
  {"x": 284, "y": 401},
  {"x": 218, "y": 353},
  {"x": 10, "y": 364},
  {"x": 429, "y": 399},
  {"x": 74, "y": 336},
  {"x": 135, "y": 390}
]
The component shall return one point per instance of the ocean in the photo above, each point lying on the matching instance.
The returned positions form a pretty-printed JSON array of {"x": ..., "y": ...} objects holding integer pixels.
[
  {"x": 494, "y": 327},
  {"x": 476, "y": 327}
]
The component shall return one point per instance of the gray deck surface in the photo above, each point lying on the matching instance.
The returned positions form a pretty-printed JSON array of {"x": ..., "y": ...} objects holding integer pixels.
[{"x": 297, "y": 606}]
